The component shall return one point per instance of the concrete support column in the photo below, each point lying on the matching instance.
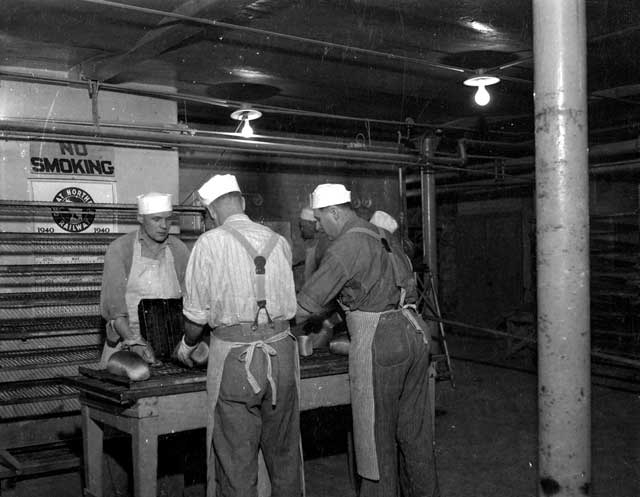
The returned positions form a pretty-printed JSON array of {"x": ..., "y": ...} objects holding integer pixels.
[
  {"x": 428, "y": 198},
  {"x": 562, "y": 206}
]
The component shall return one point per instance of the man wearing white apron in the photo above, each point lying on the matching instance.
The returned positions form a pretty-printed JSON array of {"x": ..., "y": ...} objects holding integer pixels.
[
  {"x": 389, "y": 352},
  {"x": 239, "y": 280},
  {"x": 146, "y": 263}
]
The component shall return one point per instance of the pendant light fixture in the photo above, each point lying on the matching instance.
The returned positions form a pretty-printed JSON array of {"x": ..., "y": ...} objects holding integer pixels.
[
  {"x": 482, "y": 96},
  {"x": 245, "y": 116}
]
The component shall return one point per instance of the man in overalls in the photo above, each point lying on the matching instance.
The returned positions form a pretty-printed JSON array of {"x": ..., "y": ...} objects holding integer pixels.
[
  {"x": 389, "y": 352},
  {"x": 146, "y": 263},
  {"x": 239, "y": 281}
]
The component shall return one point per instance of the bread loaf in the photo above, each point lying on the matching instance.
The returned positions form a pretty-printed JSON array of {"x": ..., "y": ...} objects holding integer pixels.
[
  {"x": 340, "y": 345},
  {"x": 200, "y": 354},
  {"x": 129, "y": 364}
]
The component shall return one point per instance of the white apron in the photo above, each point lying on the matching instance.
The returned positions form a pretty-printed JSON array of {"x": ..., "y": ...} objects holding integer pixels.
[
  {"x": 362, "y": 326},
  {"x": 218, "y": 352},
  {"x": 148, "y": 279}
]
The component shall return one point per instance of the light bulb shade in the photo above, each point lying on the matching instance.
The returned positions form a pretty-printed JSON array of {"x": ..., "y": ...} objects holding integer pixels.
[
  {"x": 247, "y": 130},
  {"x": 482, "y": 96},
  {"x": 245, "y": 114}
]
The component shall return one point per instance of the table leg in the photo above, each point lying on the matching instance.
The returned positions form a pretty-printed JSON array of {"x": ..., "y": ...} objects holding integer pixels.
[
  {"x": 144, "y": 445},
  {"x": 92, "y": 448}
]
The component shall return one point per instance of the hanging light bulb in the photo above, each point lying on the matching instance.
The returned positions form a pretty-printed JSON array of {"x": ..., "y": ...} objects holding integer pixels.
[
  {"x": 245, "y": 116},
  {"x": 247, "y": 130},
  {"x": 482, "y": 96}
]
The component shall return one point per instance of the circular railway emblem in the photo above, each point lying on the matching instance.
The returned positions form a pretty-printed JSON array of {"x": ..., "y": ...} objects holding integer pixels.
[{"x": 73, "y": 219}]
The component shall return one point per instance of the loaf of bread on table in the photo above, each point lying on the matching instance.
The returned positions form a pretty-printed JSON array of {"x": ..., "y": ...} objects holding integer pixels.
[
  {"x": 340, "y": 345},
  {"x": 200, "y": 354},
  {"x": 129, "y": 364}
]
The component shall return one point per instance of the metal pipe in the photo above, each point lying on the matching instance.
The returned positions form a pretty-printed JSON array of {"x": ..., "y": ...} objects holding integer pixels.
[
  {"x": 525, "y": 339},
  {"x": 30, "y": 205},
  {"x": 204, "y": 159},
  {"x": 524, "y": 179},
  {"x": 20, "y": 130},
  {"x": 214, "y": 102},
  {"x": 403, "y": 222},
  {"x": 562, "y": 213},
  {"x": 428, "y": 189},
  {"x": 475, "y": 186},
  {"x": 623, "y": 147},
  {"x": 605, "y": 149}
]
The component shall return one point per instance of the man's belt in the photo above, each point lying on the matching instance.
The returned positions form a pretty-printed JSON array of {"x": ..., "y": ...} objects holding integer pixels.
[
  {"x": 113, "y": 343},
  {"x": 246, "y": 331}
]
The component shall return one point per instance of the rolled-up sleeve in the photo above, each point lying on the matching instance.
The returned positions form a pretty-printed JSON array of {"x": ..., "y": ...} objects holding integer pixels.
[
  {"x": 197, "y": 282},
  {"x": 323, "y": 285},
  {"x": 114, "y": 283}
]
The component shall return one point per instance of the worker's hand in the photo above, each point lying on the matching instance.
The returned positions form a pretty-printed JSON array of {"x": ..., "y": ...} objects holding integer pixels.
[
  {"x": 142, "y": 348},
  {"x": 183, "y": 352},
  {"x": 298, "y": 329}
]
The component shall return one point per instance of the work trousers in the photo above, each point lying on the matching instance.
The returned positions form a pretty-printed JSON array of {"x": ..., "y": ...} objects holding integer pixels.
[
  {"x": 246, "y": 422},
  {"x": 403, "y": 425}
]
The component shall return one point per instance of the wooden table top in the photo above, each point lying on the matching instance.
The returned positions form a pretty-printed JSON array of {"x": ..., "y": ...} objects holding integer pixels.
[{"x": 170, "y": 379}]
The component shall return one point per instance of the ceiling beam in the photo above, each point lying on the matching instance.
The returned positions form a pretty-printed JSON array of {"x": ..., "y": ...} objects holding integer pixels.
[{"x": 167, "y": 33}]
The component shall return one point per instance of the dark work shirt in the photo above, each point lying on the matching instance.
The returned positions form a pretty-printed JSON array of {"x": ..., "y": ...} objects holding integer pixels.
[{"x": 358, "y": 270}]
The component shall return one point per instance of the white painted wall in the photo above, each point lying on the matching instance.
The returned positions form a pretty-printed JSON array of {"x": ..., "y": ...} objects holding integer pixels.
[{"x": 34, "y": 100}]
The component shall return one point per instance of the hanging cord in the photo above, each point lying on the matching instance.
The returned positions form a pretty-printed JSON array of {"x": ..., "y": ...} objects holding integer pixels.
[
  {"x": 94, "y": 88},
  {"x": 367, "y": 125},
  {"x": 184, "y": 202},
  {"x": 184, "y": 111}
]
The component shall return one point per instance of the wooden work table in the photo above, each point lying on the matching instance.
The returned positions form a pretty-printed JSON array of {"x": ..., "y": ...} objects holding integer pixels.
[{"x": 171, "y": 402}]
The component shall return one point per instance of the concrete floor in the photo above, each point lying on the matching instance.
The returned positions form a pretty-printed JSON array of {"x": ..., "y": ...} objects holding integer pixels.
[{"x": 486, "y": 436}]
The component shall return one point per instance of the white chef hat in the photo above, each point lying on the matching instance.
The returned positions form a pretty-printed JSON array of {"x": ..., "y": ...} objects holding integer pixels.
[
  {"x": 153, "y": 202},
  {"x": 383, "y": 220},
  {"x": 306, "y": 214},
  {"x": 329, "y": 194},
  {"x": 218, "y": 186}
]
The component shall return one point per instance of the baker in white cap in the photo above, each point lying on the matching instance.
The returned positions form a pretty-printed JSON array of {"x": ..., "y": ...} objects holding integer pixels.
[
  {"x": 367, "y": 270},
  {"x": 385, "y": 221},
  {"x": 239, "y": 281},
  {"x": 146, "y": 263}
]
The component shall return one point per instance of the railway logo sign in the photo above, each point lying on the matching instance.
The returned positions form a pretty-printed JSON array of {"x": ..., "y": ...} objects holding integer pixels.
[
  {"x": 72, "y": 217},
  {"x": 74, "y": 206}
]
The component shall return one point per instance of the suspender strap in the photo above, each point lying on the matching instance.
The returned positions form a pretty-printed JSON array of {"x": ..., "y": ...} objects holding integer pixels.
[
  {"x": 392, "y": 258},
  {"x": 260, "y": 261}
]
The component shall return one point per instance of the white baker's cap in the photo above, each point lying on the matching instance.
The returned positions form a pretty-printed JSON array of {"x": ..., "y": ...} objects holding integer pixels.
[
  {"x": 383, "y": 220},
  {"x": 329, "y": 194},
  {"x": 153, "y": 202},
  {"x": 218, "y": 186},
  {"x": 306, "y": 214}
]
